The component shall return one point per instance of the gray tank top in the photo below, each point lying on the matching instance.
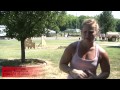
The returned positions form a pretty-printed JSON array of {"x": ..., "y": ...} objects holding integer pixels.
[{"x": 80, "y": 64}]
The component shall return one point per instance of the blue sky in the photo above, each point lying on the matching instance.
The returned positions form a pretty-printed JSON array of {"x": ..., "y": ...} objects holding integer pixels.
[{"x": 116, "y": 14}]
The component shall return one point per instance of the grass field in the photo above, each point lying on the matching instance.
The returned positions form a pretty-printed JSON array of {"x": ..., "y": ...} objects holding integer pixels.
[{"x": 51, "y": 53}]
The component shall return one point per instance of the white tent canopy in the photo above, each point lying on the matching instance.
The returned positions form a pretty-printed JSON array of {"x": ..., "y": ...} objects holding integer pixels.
[{"x": 52, "y": 31}]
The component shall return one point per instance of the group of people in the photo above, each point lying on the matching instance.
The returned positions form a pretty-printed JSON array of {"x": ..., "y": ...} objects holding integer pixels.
[{"x": 81, "y": 58}]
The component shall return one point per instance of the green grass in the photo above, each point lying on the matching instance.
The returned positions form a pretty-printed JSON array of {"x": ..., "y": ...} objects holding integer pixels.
[
  {"x": 114, "y": 54},
  {"x": 10, "y": 50}
]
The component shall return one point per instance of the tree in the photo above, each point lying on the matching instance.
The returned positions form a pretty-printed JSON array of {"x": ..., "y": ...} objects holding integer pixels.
[
  {"x": 57, "y": 21},
  {"x": 69, "y": 22},
  {"x": 25, "y": 24},
  {"x": 118, "y": 25},
  {"x": 106, "y": 21}
]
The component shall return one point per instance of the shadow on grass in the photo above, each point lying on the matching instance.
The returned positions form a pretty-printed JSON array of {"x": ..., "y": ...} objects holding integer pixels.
[
  {"x": 62, "y": 47},
  {"x": 113, "y": 46},
  {"x": 17, "y": 62}
]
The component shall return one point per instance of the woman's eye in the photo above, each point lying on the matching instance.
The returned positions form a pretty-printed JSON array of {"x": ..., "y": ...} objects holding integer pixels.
[{"x": 91, "y": 32}]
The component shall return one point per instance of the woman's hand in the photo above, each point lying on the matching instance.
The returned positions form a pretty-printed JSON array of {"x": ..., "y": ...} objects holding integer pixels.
[
  {"x": 90, "y": 74},
  {"x": 78, "y": 74},
  {"x": 92, "y": 77}
]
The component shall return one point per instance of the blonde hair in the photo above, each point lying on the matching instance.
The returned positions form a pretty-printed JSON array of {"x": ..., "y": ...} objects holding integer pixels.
[{"x": 90, "y": 23}]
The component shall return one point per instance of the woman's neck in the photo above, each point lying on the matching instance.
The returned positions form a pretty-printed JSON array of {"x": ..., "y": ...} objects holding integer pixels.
[{"x": 86, "y": 44}]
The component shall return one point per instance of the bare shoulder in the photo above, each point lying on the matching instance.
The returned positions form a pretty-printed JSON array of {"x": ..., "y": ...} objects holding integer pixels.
[
  {"x": 72, "y": 47},
  {"x": 68, "y": 52},
  {"x": 102, "y": 52}
]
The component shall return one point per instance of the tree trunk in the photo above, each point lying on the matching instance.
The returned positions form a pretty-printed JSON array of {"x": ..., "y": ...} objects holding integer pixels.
[{"x": 22, "y": 51}]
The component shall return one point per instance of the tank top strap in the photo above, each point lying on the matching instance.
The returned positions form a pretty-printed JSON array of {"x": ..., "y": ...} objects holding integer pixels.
[
  {"x": 77, "y": 46},
  {"x": 97, "y": 50}
]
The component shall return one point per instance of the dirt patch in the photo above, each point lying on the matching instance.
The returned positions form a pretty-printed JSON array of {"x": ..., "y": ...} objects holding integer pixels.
[{"x": 52, "y": 72}]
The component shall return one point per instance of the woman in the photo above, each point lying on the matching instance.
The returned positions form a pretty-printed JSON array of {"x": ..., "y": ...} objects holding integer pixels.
[{"x": 80, "y": 59}]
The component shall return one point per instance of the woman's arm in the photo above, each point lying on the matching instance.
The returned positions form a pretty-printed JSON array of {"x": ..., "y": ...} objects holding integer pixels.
[
  {"x": 104, "y": 64},
  {"x": 66, "y": 58}
]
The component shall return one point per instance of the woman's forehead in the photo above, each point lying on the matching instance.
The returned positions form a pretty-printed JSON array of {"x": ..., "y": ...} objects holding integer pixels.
[{"x": 89, "y": 28}]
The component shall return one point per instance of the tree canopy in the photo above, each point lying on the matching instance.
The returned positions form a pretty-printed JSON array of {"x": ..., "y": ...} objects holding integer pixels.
[
  {"x": 107, "y": 21},
  {"x": 25, "y": 24}
]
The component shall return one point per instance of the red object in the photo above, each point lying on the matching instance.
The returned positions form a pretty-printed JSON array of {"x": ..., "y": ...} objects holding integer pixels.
[{"x": 21, "y": 71}]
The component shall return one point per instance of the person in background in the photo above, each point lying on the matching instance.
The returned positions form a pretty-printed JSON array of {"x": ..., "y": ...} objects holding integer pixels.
[{"x": 81, "y": 58}]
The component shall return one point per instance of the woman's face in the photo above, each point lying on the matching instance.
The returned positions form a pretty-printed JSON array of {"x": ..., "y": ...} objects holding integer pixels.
[{"x": 89, "y": 33}]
